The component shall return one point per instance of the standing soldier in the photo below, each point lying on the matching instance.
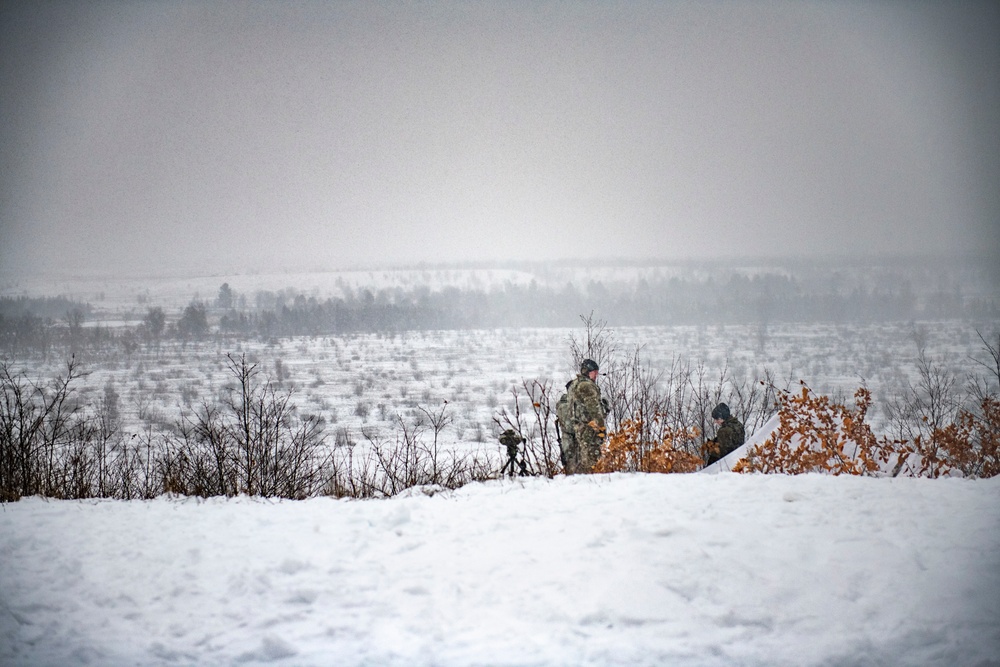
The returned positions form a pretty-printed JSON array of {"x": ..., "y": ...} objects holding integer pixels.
[
  {"x": 729, "y": 434},
  {"x": 584, "y": 433}
]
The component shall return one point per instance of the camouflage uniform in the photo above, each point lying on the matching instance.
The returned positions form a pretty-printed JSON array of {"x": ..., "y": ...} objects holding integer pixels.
[
  {"x": 729, "y": 436},
  {"x": 588, "y": 423},
  {"x": 570, "y": 448}
]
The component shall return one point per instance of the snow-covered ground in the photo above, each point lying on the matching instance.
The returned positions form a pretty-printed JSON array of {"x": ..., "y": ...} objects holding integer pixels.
[{"x": 591, "y": 570}]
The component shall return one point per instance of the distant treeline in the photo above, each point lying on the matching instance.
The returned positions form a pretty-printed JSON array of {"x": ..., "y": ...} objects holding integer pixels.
[
  {"x": 34, "y": 325},
  {"x": 739, "y": 300},
  {"x": 56, "y": 308}
]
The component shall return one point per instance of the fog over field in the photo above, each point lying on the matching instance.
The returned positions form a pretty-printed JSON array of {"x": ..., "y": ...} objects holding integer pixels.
[
  {"x": 221, "y": 138},
  {"x": 289, "y": 291}
]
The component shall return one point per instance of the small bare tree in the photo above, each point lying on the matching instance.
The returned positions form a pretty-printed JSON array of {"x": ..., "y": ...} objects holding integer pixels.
[
  {"x": 989, "y": 386},
  {"x": 353, "y": 471},
  {"x": 38, "y": 424},
  {"x": 598, "y": 342},
  {"x": 925, "y": 407},
  {"x": 254, "y": 443},
  {"x": 439, "y": 421}
]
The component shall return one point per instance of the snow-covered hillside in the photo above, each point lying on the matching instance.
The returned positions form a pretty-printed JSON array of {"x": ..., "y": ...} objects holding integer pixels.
[{"x": 597, "y": 570}]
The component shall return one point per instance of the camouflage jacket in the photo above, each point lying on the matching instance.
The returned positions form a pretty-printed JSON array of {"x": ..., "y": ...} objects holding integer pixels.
[
  {"x": 729, "y": 436},
  {"x": 585, "y": 402}
]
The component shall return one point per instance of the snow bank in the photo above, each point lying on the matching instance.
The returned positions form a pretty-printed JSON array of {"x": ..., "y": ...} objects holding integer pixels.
[{"x": 590, "y": 570}]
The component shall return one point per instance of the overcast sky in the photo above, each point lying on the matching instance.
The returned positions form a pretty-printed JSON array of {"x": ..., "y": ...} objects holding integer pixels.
[{"x": 249, "y": 135}]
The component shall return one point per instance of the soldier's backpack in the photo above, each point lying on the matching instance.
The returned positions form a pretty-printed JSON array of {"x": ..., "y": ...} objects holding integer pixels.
[
  {"x": 564, "y": 429},
  {"x": 741, "y": 435},
  {"x": 564, "y": 411}
]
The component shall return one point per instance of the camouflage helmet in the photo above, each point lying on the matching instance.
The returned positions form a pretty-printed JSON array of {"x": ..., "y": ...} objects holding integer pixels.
[
  {"x": 721, "y": 411},
  {"x": 588, "y": 365}
]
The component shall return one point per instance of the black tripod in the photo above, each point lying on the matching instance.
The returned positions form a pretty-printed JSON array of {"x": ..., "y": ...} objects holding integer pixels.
[{"x": 510, "y": 439}]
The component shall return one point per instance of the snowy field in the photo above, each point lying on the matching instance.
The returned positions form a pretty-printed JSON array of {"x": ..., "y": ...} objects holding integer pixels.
[
  {"x": 366, "y": 380},
  {"x": 601, "y": 570}
]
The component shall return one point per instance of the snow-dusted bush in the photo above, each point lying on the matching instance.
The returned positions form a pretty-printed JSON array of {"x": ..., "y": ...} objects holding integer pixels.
[{"x": 819, "y": 435}]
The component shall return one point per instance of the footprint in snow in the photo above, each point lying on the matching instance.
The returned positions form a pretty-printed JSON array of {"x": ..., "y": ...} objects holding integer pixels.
[
  {"x": 270, "y": 650},
  {"x": 291, "y": 566}
]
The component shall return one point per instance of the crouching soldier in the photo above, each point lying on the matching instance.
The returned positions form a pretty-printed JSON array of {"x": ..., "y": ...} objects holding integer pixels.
[
  {"x": 582, "y": 423},
  {"x": 729, "y": 434}
]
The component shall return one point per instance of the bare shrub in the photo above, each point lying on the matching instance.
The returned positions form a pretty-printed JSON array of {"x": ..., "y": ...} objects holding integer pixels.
[
  {"x": 134, "y": 472},
  {"x": 408, "y": 460},
  {"x": 988, "y": 386},
  {"x": 352, "y": 472},
  {"x": 755, "y": 398},
  {"x": 109, "y": 442},
  {"x": 254, "y": 443},
  {"x": 40, "y": 426}
]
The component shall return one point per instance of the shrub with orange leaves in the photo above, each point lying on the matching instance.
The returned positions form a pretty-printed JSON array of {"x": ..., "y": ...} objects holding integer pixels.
[
  {"x": 629, "y": 450},
  {"x": 970, "y": 446},
  {"x": 816, "y": 434}
]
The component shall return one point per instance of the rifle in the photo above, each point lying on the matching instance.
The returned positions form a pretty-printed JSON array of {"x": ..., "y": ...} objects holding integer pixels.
[{"x": 562, "y": 453}]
